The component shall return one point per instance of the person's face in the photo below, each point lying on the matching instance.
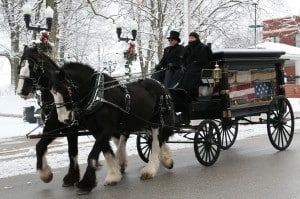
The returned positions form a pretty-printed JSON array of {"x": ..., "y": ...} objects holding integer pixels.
[
  {"x": 172, "y": 42},
  {"x": 191, "y": 39}
]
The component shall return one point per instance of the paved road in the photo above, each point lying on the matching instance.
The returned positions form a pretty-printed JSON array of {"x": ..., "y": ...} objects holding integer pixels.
[{"x": 252, "y": 168}]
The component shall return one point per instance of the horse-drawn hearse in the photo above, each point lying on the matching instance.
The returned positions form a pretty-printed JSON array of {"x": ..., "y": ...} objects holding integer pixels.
[
  {"x": 246, "y": 87},
  {"x": 242, "y": 86}
]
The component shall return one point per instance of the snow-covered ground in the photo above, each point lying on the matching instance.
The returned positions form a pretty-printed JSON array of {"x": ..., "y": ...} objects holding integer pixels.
[{"x": 14, "y": 127}]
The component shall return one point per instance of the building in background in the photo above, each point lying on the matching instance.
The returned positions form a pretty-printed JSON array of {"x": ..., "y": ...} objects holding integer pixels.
[{"x": 286, "y": 31}]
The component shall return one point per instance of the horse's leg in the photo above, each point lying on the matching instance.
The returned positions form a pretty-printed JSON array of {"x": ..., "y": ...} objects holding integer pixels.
[
  {"x": 150, "y": 170},
  {"x": 114, "y": 175},
  {"x": 121, "y": 154},
  {"x": 44, "y": 170},
  {"x": 165, "y": 152},
  {"x": 73, "y": 174},
  {"x": 88, "y": 182}
]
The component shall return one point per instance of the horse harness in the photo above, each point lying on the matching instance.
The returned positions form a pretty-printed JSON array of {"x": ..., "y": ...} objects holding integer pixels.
[{"x": 98, "y": 99}]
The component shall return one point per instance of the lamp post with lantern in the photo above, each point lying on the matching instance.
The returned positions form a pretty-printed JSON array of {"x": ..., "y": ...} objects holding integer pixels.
[
  {"x": 127, "y": 39},
  {"x": 27, "y": 18}
]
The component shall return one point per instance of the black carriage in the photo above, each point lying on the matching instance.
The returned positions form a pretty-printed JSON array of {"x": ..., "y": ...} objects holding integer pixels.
[{"x": 245, "y": 87}]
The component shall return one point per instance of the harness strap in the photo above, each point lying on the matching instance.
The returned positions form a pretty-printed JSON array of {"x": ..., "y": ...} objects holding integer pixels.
[
  {"x": 127, "y": 97},
  {"x": 98, "y": 92}
]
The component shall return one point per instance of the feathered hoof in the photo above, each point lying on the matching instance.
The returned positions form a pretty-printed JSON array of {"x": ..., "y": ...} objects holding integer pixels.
[
  {"x": 112, "y": 183},
  {"x": 112, "y": 179},
  {"x": 169, "y": 164},
  {"x": 46, "y": 175},
  {"x": 146, "y": 176}
]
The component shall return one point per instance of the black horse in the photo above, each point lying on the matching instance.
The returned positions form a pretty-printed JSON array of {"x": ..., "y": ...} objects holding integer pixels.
[
  {"x": 105, "y": 107},
  {"x": 33, "y": 76}
]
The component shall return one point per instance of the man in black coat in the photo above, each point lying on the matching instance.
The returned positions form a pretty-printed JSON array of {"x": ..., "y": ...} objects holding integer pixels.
[
  {"x": 196, "y": 57},
  {"x": 168, "y": 71}
]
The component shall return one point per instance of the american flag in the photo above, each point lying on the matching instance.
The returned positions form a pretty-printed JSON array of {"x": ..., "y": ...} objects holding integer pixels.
[
  {"x": 247, "y": 92},
  {"x": 262, "y": 89},
  {"x": 241, "y": 91}
]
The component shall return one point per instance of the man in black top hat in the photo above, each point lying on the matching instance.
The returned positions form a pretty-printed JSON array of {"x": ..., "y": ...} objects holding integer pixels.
[{"x": 168, "y": 71}]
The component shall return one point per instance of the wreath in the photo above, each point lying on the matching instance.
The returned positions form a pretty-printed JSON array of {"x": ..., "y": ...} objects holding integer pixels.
[
  {"x": 130, "y": 54},
  {"x": 44, "y": 44}
]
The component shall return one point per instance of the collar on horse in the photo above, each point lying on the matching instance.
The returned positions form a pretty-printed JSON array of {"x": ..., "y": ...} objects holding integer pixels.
[{"x": 97, "y": 98}]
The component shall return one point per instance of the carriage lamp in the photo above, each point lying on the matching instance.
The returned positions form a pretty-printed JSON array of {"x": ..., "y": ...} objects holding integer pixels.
[
  {"x": 217, "y": 73},
  {"x": 27, "y": 18}
]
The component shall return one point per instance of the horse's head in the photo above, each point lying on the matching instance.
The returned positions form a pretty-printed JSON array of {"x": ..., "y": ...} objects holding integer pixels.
[
  {"x": 26, "y": 70},
  {"x": 74, "y": 87},
  {"x": 63, "y": 93},
  {"x": 32, "y": 71}
]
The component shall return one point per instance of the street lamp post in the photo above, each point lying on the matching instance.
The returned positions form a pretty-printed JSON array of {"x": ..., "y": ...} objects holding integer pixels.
[
  {"x": 27, "y": 15},
  {"x": 255, "y": 26},
  {"x": 126, "y": 39}
]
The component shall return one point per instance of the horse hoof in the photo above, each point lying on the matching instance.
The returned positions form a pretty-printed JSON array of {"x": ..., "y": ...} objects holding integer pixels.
[
  {"x": 110, "y": 183},
  {"x": 46, "y": 176},
  {"x": 81, "y": 192},
  {"x": 146, "y": 176},
  {"x": 168, "y": 164}
]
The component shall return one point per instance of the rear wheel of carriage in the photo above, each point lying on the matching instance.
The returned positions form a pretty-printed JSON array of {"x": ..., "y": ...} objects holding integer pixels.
[
  {"x": 207, "y": 142},
  {"x": 280, "y": 123},
  {"x": 228, "y": 132},
  {"x": 144, "y": 145}
]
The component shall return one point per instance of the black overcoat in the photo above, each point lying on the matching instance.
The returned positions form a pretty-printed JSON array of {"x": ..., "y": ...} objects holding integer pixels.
[
  {"x": 196, "y": 57},
  {"x": 171, "y": 62}
]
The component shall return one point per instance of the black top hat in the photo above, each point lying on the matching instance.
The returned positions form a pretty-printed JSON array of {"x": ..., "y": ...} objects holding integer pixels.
[{"x": 174, "y": 35}]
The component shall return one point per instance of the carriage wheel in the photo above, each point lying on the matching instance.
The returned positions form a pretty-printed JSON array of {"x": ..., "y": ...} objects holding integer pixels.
[
  {"x": 207, "y": 143},
  {"x": 228, "y": 132},
  {"x": 144, "y": 145},
  {"x": 280, "y": 122}
]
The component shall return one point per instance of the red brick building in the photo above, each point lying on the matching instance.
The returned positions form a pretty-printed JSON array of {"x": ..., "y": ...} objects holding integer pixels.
[
  {"x": 287, "y": 31},
  {"x": 282, "y": 30}
]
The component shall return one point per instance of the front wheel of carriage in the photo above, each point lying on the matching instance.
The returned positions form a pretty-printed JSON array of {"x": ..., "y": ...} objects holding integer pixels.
[
  {"x": 280, "y": 123},
  {"x": 207, "y": 142}
]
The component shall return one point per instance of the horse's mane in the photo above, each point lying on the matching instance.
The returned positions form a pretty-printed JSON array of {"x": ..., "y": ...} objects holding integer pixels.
[
  {"x": 76, "y": 66},
  {"x": 85, "y": 69}
]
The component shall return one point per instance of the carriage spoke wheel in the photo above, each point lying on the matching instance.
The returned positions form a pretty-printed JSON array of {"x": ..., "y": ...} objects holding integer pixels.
[
  {"x": 280, "y": 122},
  {"x": 207, "y": 145},
  {"x": 228, "y": 132},
  {"x": 144, "y": 145}
]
